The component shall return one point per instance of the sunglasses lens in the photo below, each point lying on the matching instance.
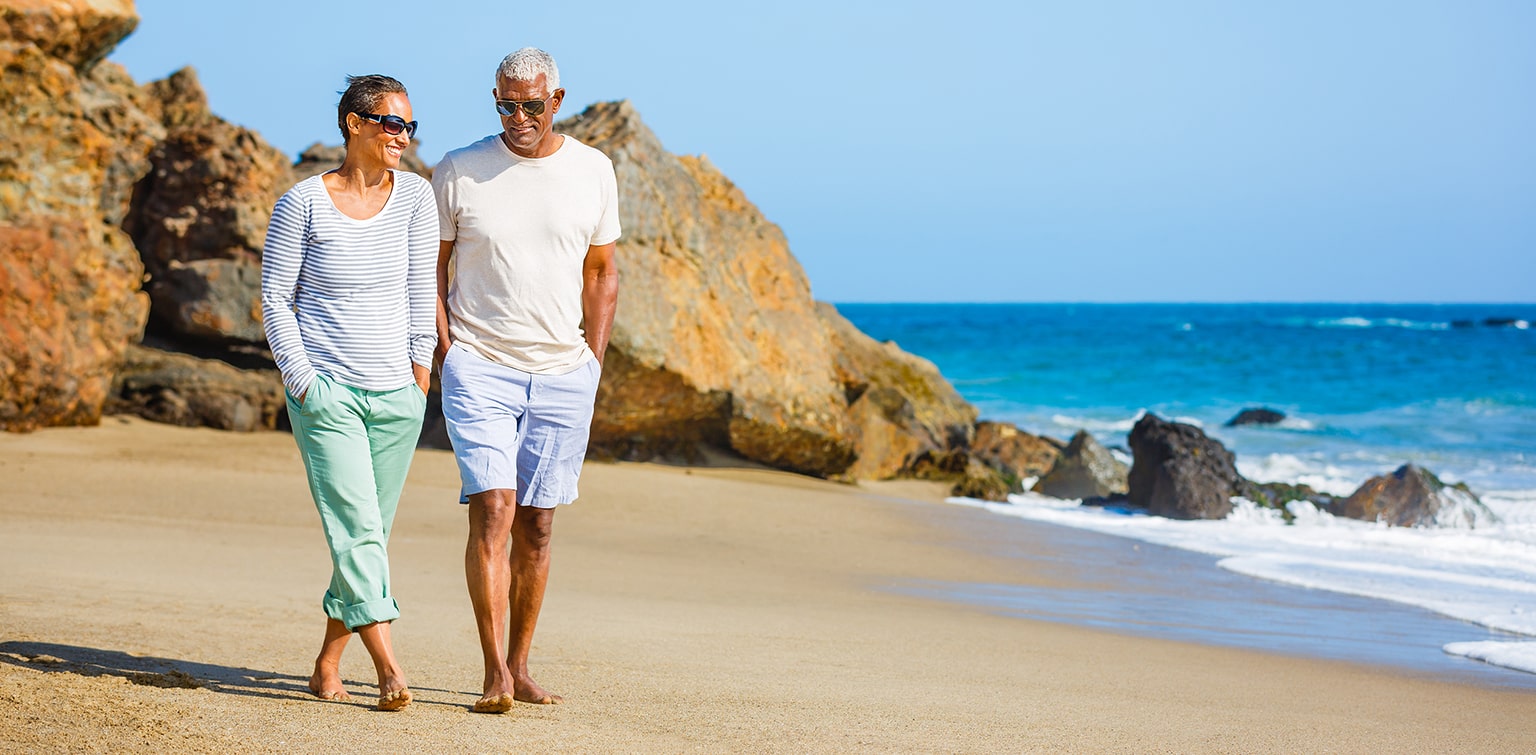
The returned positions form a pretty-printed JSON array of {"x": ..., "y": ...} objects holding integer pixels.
[
  {"x": 392, "y": 124},
  {"x": 533, "y": 108}
]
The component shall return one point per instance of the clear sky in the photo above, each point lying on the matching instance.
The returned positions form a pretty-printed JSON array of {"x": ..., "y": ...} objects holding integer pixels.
[{"x": 956, "y": 151}]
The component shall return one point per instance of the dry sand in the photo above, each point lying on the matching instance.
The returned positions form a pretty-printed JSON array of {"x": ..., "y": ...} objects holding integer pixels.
[{"x": 159, "y": 591}]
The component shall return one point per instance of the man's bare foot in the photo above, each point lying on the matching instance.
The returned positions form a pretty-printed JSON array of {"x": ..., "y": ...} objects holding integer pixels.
[
  {"x": 526, "y": 691},
  {"x": 327, "y": 685},
  {"x": 493, "y": 704},
  {"x": 394, "y": 699}
]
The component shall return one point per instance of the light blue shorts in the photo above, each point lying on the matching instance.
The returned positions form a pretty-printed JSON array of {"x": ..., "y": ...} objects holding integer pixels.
[{"x": 514, "y": 430}]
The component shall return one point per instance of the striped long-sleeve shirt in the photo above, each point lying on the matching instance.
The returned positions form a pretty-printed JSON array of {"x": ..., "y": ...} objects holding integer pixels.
[{"x": 353, "y": 299}]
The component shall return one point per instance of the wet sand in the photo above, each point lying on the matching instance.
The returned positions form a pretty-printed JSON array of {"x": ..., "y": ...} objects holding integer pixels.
[{"x": 159, "y": 590}]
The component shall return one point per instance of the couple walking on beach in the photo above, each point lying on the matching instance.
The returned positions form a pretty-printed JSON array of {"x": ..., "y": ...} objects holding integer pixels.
[{"x": 501, "y": 273}]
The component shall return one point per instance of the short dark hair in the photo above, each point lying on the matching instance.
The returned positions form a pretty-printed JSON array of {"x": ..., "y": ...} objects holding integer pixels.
[{"x": 362, "y": 95}]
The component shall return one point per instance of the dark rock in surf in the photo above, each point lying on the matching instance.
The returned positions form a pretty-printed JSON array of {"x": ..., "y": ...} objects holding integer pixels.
[
  {"x": 1085, "y": 470},
  {"x": 1276, "y": 495},
  {"x": 1179, "y": 473},
  {"x": 1256, "y": 416},
  {"x": 1413, "y": 497}
]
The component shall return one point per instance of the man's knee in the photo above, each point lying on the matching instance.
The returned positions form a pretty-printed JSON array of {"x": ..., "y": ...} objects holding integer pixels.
[
  {"x": 492, "y": 511},
  {"x": 534, "y": 526}
]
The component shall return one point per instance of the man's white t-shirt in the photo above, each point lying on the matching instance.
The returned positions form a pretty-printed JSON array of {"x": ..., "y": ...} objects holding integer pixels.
[{"x": 521, "y": 228}]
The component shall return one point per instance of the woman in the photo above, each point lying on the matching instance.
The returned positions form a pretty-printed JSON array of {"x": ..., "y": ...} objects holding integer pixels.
[{"x": 349, "y": 296}]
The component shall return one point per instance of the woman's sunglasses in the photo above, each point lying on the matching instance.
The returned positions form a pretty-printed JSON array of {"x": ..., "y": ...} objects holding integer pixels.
[
  {"x": 534, "y": 108},
  {"x": 392, "y": 124}
]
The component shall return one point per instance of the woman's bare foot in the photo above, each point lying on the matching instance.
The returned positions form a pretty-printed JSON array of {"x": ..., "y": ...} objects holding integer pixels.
[{"x": 326, "y": 683}]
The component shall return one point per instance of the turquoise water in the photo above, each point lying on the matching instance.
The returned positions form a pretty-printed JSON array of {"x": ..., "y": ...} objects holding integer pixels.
[{"x": 1366, "y": 387}]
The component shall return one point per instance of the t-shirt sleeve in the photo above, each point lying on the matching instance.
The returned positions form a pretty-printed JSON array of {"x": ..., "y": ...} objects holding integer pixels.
[
  {"x": 447, "y": 199},
  {"x": 607, "y": 230}
]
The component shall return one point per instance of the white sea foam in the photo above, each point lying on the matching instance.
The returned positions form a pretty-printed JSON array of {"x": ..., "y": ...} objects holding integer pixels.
[
  {"x": 1098, "y": 427},
  {"x": 1322, "y": 476},
  {"x": 1486, "y": 575},
  {"x": 1385, "y": 322},
  {"x": 1520, "y": 656}
]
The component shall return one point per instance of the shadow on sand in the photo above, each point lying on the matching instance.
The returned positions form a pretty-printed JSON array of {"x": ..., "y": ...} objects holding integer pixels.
[{"x": 149, "y": 671}]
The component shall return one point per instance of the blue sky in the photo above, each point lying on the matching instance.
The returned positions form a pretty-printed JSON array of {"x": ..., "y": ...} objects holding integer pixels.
[{"x": 1061, "y": 151}]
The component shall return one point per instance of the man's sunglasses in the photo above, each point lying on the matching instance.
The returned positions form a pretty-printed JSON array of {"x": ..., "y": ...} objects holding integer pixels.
[
  {"x": 533, "y": 108},
  {"x": 392, "y": 124}
]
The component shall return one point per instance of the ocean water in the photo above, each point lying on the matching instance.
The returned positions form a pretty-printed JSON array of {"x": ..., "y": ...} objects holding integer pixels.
[{"x": 1365, "y": 387}]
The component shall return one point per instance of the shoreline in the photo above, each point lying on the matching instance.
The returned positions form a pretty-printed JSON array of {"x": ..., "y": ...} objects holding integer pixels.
[
  {"x": 1171, "y": 593},
  {"x": 717, "y": 609}
]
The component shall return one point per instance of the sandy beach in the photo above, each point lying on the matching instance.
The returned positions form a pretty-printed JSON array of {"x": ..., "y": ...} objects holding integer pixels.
[{"x": 159, "y": 591}]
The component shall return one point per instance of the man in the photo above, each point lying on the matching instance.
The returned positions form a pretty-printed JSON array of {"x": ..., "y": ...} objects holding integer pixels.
[{"x": 527, "y": 288}]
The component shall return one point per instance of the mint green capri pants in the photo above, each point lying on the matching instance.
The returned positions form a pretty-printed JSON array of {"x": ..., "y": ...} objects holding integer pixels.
[{"x": 357, "y": 446}]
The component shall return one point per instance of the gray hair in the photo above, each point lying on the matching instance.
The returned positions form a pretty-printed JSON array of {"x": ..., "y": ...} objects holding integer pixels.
[{"x": 526, "y": 65}]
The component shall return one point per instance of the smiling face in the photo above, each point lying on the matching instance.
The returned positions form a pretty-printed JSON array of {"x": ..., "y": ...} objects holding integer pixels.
[
  {"x": 370, "y": 143},
  {"x": 529, "y": 136}
]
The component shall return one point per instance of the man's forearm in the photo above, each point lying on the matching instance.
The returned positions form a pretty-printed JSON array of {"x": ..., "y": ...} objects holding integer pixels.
[
  {"x": 444, "y": 336},
  {"x": 599, "y": 301}
]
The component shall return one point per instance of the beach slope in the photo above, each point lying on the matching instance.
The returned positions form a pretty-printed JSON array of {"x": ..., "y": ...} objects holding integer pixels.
[{"x": 159, "y": 590}]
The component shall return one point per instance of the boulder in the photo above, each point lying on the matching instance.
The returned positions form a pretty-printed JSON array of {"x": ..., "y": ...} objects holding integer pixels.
[
  {"x": 717, "y": 340},
  {"x": 69, "y": 307},
  {"x": 207, "y": 197},
  {"x": 1085, "y": 470},
  {"x": 215, "y": 300},
  {"x": 78, "y": 33},
  {"x": 1018, "y": 455},
  {"x": 69, "y": 278},
  {"x": 1256, "y": 416},
  {"x": 1413, "y": 497},
  {"x": 898, "y": 403},
  {"x": 971, "y": 477},
  {"x": 1178, "y": 472},
  {"x": 984, "y": 482},
  {"x": 179, "y": 389}
]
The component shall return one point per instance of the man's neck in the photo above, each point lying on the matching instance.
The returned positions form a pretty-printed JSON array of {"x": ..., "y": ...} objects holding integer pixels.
[{"x": 547, "y": 147}]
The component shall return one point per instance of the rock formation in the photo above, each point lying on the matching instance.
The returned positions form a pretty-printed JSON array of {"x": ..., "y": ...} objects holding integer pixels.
[
  {"x": 1178, "y": 472},
  {"x": 1014, "y": 453},
  {"x": 199, "y": 218},
  {"x": 898, "y": 403},
  {"x": 178, "y": 389},
  {"x": 1085, "y": 470},
  {"x": 74, "y": 142},
  {"x": 718, "y": 342},
  {"x": 1413, "y": 497}
]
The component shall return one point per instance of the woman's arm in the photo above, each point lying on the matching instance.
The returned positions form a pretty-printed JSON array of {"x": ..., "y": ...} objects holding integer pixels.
[
  {"x": 281, "y": 260},
  {"x": 421, "y": 287}
]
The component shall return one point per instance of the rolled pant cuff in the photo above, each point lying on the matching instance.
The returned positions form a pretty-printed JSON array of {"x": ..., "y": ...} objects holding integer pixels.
[{"x": 362, "y": 614}]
